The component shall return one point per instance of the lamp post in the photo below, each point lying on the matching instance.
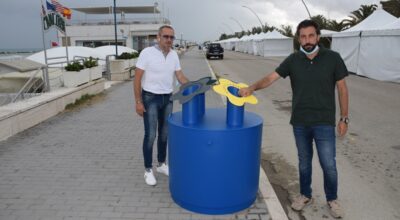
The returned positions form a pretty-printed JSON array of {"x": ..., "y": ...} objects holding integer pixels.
[
  {"x": 228, "y": 27},
  {"x": 154, "y": 11},
  {"x": 262, "y": 26},
  {"x": 306, "y": 8},
  {"x": 237, "y": 23},
  {"x": 115, "y": 30}
]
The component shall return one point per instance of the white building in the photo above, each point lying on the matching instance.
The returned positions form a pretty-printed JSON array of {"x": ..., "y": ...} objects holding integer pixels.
[{"x": 137, "y": 32}]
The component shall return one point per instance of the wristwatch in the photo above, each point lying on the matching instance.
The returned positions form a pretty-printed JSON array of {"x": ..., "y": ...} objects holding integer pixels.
[{"x": 346, "y": 120}]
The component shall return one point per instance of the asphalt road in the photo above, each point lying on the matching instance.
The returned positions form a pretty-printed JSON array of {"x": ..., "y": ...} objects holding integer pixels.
[{"x": 367, "y": 157}]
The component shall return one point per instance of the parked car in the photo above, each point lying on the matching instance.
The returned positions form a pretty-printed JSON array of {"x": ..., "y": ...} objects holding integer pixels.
[{"x": 215, "y": 50}]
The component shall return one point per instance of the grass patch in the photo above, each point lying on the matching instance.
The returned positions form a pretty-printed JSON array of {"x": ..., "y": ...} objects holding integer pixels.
[{"x": 78, "y": 102}]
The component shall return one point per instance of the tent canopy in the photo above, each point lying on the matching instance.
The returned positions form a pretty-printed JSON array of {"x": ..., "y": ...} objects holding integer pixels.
[
  {"x": 373, "y": 22},
  {"x": 275, "y": 35}
]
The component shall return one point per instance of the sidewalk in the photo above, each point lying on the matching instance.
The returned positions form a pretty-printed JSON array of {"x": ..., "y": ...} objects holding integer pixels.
[{"x": 87, "y": 164}]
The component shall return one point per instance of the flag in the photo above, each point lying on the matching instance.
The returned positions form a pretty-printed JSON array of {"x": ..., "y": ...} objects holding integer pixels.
[
  {"x": 54, "y": 44},
  {"x": 50, "y": 6},
  {"x": 66, "y": 12}
]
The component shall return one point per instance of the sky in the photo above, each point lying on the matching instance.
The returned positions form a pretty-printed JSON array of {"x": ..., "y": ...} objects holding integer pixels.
[{"x": 195, "y": 20}]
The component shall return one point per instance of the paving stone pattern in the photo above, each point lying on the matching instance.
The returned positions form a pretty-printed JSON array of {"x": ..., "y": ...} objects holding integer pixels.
[{"x": 87, "y": 164}]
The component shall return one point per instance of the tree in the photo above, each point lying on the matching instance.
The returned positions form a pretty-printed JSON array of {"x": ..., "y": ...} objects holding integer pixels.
[
  {"x": 360, "y": 14},
  {"x": 286, "y": 30},
  {"x": 333, "y": 25},
  {"x": 223, "y": 36},
  {"x": 321, "y": 21},
  {"x": 267, "y": 28},
  {"x": 392, "y": 6},
  {"x": 256, "y": 30}
]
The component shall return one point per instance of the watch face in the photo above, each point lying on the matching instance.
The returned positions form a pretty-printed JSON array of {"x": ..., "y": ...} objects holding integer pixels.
[{"x": 345, "y": 120}]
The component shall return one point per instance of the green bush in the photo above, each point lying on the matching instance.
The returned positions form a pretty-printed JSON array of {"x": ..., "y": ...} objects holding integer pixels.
[
  {"x": 89, "y": 63},
  {"x": 74, "y": 66},
  {"x": 127, "y": 56}
]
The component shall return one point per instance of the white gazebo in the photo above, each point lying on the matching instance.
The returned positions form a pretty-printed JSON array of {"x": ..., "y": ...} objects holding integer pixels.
[{"x": 347, "y": 42}]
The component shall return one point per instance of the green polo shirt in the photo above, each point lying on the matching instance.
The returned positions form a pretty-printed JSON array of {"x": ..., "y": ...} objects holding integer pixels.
[{"x": 313, "y": 86}]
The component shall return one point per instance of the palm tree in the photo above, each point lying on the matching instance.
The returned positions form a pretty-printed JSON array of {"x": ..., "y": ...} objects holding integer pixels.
[
  {"x": 268, "y": 28},
  {"x": 333, "y": 25},
  {"x": 286, "y": 30},
  {"x": 223, "y": 36},
  {"x": 321, "y": 21},
  {"x": 360, "y": 14},
  {"x": 392, "y": 6}
]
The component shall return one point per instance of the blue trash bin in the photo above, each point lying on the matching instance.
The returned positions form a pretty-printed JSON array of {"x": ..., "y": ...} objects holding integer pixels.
[{"x": 215, "y": 162}]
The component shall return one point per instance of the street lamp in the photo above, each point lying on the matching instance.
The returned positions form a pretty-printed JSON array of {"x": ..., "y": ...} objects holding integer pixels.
[
  {"x": 115, "y": 31},
  {"x": 237, "y": 23},
  {"x": 154, "y": 11},
  {"x": 306, "y": 8},
  {"x": 262, "y": 26},
  {"x": 228, "y": 27}
]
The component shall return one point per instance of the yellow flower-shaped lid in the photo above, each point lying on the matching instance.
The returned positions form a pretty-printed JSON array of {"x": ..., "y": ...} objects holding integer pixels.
[{"x": 223, "y": 89}]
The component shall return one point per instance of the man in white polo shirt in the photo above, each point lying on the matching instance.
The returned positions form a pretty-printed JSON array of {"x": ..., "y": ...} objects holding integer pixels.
[{"x": 153, "y": 86}]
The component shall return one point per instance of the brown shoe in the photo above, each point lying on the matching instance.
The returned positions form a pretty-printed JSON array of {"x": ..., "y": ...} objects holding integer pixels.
[
  {"x": 335, "y": 209},
  {"x": 300, "y": 202}
]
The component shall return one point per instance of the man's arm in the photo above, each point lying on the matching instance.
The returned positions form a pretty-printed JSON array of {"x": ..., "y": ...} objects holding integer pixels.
[
  {"x": 260, "y": 84},
  {"x": 344, "y": 105},
  {"x": 181, "y": 77},
  {"x": 137, "y": 89}
]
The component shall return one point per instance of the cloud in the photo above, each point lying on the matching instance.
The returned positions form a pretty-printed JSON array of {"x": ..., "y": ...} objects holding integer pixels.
[{"x": 195, "y": 20}]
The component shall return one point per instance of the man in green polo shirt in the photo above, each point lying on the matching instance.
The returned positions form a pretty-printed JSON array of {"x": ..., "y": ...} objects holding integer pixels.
[{"x": 314, "y": 72}]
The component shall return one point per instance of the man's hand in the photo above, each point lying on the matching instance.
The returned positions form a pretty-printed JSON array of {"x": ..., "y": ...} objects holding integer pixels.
[
  {"x": 140, "y": 108},
  {"x": 243, "y": 92},
  {"x": 341, "y": 128}
]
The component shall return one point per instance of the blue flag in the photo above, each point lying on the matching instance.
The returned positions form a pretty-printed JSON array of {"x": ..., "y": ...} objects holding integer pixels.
[{"x": 50, "y": 6}]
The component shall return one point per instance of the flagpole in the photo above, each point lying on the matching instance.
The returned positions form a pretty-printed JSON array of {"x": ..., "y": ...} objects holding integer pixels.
[
  {"x": 66, "y": 41},
  {"x": 46, "y": 74}
]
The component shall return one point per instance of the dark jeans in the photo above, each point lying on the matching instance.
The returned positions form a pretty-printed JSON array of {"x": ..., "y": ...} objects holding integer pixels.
[
  {"x": 324, "y": 137},
  {"x": 158, "y": 108}
]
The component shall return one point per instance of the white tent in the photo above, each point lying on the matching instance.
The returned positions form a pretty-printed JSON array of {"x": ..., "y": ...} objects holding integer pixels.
[
  {"x": 327, "y": 33},
  {"x": 229, "y": 44},
  {"x": 275, "y": 44},
  {"x": 73, "y": 52},
  {"x": 347, "y": 42},
  {"x": 379, "y": 56},
  {"x": 252, "y": 44},
  {"x": 241, "y": 45},
  {"x": 78, "y": 52}
]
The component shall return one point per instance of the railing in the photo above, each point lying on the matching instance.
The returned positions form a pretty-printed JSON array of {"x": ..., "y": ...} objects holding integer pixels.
[
  {"x": 31, "y": 86},
  {"x": 108, "y": 71},
  {"x": 123, "y": 21}
]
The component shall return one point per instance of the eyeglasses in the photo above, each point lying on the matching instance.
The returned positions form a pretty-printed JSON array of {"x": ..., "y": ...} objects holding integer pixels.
[{"x": 166, "y": 37}]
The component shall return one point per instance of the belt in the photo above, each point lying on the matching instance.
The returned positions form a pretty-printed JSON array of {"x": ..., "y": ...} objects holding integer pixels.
[{"x": 150, "y": 93}]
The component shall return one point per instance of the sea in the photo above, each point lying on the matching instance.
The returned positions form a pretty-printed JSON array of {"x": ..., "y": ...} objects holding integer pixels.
[{"x": 6, "y": 54}]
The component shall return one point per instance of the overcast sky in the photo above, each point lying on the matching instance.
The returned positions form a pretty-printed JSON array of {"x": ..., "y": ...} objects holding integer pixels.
[{"x": 196, "y": 20}]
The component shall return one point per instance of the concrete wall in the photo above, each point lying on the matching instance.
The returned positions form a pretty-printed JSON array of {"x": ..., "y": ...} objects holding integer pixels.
[{"x": 22, "y": 115}]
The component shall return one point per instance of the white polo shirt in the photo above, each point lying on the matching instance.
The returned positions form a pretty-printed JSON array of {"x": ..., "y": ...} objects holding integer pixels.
[{"x": 159, "y": 70}]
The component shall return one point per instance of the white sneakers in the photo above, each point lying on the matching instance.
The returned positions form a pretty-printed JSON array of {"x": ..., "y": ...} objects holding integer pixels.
[
  {"x": 164, "y": 169},
  {"x": 149, "y": 177}
]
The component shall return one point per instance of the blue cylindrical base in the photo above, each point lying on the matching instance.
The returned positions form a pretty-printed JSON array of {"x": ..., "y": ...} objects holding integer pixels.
[{"x": 214, "y": 168}]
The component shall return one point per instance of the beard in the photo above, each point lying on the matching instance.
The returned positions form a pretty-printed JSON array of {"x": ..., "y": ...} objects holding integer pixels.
[{"x": 309, "y": 47}]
